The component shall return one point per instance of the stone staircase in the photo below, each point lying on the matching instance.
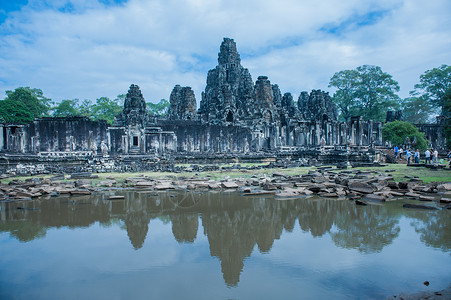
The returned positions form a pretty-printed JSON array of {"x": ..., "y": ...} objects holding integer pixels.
[{"x": 390, "y": 157}]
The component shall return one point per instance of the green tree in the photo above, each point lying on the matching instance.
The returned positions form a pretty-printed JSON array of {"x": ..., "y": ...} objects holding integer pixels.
[
  {"x": 417, "y": 110},
  {"x": 397, "y": 132},
  {"x": 346, "y": 83},
  {"x": 366, "y": 91},
  {"x": 160, "y": 108},
  {"x": 447, "y": 114},
  {"x": 105, "y": 109},
  {"x": 14, "y": 112},
  {"x": 22, "y": 98},
  {"x": 85, "y": 108},
  {"x": 434, "y": 84},
  {"x": 120, "y": 99},
  {"x": 66, "y": 108},
  {"x": 376, "y": 93}
]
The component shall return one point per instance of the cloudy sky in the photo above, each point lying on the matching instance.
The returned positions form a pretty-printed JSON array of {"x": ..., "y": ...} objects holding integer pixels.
[{"x": 87, "y": 49}]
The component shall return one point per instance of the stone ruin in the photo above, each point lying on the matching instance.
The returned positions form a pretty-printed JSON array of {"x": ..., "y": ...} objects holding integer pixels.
[
  {"x": 182, "y": 103},
  {"x": 236, "y": 118}
]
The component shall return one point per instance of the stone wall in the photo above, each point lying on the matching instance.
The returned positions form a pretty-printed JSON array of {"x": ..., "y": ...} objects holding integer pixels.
[
  {"x": 65, "y": 134},
  {"x": 195, "y": 137},
  {"x": 435, "y": 135}
]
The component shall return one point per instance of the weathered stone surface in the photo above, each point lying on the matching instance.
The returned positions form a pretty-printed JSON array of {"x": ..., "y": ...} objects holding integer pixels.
[
  {"x": 444, "y": 187},
  {"x": 317, "y": 106},
  {"x": 214, "y": 185},
  {"x": 80, "y": 192},
  {"x": 229, "y": 185},
  {"x": 134, "y": 112},
  {"x": 164, "y": 186},
  {"x": 182, "y": 104},
  {"x": 412, "y": 195},
  {"x": 426, "y": 198},
  {"x": 361, "y": 187},
  {"x": 80, "y": 175},
  {"x": 107, "y": 183},
  {"x": 144, "y": 184}
]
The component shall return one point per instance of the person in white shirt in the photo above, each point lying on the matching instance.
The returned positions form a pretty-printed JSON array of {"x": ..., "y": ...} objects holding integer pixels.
[
  {"x": 427, "y": 155},
  {"x": 435, "y": 156}
]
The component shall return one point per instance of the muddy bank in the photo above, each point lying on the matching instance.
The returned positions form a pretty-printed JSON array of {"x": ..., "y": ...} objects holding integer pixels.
[{"x": 442, "y": 295}]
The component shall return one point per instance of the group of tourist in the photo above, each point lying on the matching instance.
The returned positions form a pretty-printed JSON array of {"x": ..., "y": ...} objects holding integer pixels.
[{"x": 416, "y": 155}]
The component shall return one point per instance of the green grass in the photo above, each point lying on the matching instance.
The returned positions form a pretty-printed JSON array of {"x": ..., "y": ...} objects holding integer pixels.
[{"x": 400, "y": 172}]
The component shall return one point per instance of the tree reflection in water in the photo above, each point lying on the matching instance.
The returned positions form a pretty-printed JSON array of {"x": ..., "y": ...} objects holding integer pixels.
[
  {"x": 434, "y": 227},
  {"x": 234, "y": 225},
  {"x": 368, "y": 229}
]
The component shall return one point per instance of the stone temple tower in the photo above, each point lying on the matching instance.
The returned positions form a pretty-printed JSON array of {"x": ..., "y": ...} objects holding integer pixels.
[
  {"x": 229, "y": 89},
  {"x": 134, "y": 112},
  {"x": 182, "y": 104}
]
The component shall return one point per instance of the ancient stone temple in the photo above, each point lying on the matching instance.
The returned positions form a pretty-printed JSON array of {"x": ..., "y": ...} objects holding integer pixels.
[{"x": 237, "y": 117}]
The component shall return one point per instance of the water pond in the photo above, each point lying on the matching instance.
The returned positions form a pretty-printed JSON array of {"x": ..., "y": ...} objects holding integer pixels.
[{"x": 206, "y": 245}]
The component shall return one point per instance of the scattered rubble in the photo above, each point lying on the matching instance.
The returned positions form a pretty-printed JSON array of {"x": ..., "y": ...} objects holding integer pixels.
[{"x": 363, "y": 187}]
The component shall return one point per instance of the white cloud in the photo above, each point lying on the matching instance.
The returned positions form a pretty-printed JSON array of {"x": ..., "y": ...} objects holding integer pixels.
[{"x": 96, "y": 50}]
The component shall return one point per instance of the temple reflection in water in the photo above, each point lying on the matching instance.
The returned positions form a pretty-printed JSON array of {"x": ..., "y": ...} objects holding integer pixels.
[{"x": 233, "y": 224}]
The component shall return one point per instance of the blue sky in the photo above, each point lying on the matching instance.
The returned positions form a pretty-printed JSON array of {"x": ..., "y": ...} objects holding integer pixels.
[{"x": 87, "y": 49}]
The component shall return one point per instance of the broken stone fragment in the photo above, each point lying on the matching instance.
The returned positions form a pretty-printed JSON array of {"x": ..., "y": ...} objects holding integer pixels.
[
  {"x": 165, "y": 186},
  {"x": 144, "y": 184},
  {"x": 361, "y": 187},
  {"x": 107, "y": 183},
  {"x": 412, "y": 195},
  {"x": 229, "y": 185},
  {"x": 214, "y": 186},
  {"x": 444, "y": 187},
  {"x": 426, "y": 198},
  {"x": 80, "y": 192}
]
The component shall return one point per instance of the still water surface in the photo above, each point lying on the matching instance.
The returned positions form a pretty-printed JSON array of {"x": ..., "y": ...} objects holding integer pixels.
[{"x": 192, "y": 245}]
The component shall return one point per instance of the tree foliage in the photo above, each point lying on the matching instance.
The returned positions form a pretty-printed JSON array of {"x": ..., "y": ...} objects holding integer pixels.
[
  {"x": 417, "y": 110},
  {"x": 447, "y": 113},
  {"x": 105, "y": 109},
  {"x": 161, "y": 108},
  {"x": 346, "y": 83},
  {"x": 66, "y": 108},
  {"x": 396, "y": 132},
  {"x": 433, "y": 85},
  {"x": 14, "y": 112},
  {"x": 366, "y": 91},
  {"x": 23, "y": 105}
]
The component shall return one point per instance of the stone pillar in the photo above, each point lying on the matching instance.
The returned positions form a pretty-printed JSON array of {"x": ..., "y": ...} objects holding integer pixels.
[
  {"x": 2, "y": 137},
  {"x": 124, "y": 144}
]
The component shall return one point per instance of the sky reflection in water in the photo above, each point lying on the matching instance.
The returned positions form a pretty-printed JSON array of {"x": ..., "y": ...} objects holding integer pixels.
[{"x": 218, "y": 245}]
